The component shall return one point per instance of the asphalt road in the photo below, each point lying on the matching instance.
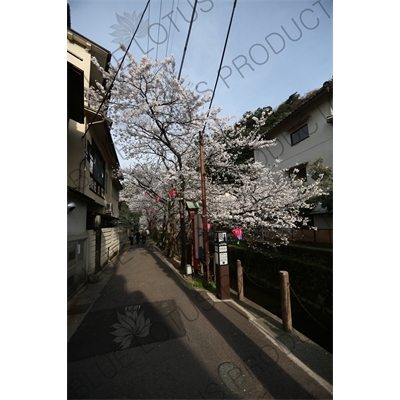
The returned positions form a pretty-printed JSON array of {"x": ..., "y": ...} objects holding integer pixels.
[{"x": 141, "y": 333}]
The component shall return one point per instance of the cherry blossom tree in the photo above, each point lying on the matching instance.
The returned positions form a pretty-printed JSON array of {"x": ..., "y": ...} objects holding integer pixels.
[
  {"x": 155, "y": 117},
  {"x": 156, "y": 122},
  {"x": 147, "y": 188},
  {"x": 265, "y": 201}
]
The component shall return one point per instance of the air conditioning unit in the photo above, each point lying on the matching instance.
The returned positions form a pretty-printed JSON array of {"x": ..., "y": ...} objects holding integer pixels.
[
  {"x": 329, "y": 119},
  {"x": 109, "y": 208}
]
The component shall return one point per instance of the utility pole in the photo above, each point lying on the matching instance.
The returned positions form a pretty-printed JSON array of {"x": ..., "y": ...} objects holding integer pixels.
[{"x": 206, "y": 252}]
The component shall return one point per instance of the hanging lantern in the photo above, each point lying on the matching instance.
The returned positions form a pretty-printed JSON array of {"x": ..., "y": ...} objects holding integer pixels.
[
  {"x": 172, "y": 193},
  {"x": 157, "y": 199},
  {"x": 237, "y": 232},
  {"x": 208, "y": 227},
  {"x": 146, "y": 193}
]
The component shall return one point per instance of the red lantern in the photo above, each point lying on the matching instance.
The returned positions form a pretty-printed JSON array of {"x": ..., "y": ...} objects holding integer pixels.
[
  {"x": 238, "y": 233},
  {"x": 157, "y": 199},
  {"x": 172, "y": 193},
  {"x": 208, "y": 227}
]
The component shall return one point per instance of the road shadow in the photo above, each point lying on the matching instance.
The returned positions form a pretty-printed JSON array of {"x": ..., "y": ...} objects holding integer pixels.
[{"x": 175, "y": 357}]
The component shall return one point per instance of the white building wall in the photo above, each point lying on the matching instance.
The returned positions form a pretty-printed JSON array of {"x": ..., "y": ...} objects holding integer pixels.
[
  {"x": 84, "y": 60},
  {"x": 319, "y": 143}
]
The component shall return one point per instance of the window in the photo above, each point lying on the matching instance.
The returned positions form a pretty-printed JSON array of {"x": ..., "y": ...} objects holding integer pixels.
[
  {"x": 299, "y": 135},
  {"x": 75, "y": 99},
  {"x": 302, "y": 172},
  {"x": 97, "y": 170}
]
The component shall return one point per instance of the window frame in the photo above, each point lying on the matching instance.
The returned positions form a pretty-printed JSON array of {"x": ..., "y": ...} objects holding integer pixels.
[
  {"x": 94, "y": 157},
  {"x": 306, "y": 134},
  {"x": 75, "y": 93},
  {"x": 300, "y": 175}
]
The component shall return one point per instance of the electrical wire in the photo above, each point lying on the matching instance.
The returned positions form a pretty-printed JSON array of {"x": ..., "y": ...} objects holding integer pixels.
[
  {"x": 222, "y": 59},
  {"x": 115, "y": 76},
  {"x": 148, "y": 36},
  {"x": 187, "y": 40}
]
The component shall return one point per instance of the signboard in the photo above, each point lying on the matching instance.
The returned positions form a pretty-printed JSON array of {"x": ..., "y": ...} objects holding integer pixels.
[
  {"x": 223, "y": 248},
  {"x": 220, "y": 237},
  {"x": 223, "y": 258}
]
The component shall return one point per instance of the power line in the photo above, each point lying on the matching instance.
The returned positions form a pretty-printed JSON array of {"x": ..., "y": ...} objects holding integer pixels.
[
  {"x": 187, "y": 40},
  {"x": 115, "y": 76},
  {"x": 222, "y": 59},
  {"x": 148, "y": 36}
]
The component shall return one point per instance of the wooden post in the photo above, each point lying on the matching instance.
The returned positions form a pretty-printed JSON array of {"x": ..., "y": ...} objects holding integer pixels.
[
  {"x": 240, "y": 279},
  {"x": 206, "y": 252},
  {"x": 214, "y": 269},
  {"x": 285, "y": 301}
]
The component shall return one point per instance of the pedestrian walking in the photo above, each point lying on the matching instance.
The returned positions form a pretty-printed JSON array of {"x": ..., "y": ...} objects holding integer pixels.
[
  {"x": 137, "y": 237},
  {"x": 131, "y": 237},
  {"x": 144, "y": 237}
]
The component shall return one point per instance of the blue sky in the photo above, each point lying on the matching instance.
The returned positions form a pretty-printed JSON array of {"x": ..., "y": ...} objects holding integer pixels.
[{"x": 262, "y": 65}]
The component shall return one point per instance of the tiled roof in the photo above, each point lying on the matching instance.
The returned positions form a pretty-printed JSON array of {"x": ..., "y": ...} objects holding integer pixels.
[{"x": 328, "y": 85}]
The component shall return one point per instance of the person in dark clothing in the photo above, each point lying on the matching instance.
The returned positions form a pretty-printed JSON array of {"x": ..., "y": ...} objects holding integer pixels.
[
  {"x": 131, "y": 237},
  {"x": 137, "y": 237},
  {"x": 143, "y": 237}
]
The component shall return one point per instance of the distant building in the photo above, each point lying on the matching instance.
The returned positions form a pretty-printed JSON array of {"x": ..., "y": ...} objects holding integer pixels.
[
  {"x": 93, "y": 180},
  {"x": 302, "y": 137}
]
